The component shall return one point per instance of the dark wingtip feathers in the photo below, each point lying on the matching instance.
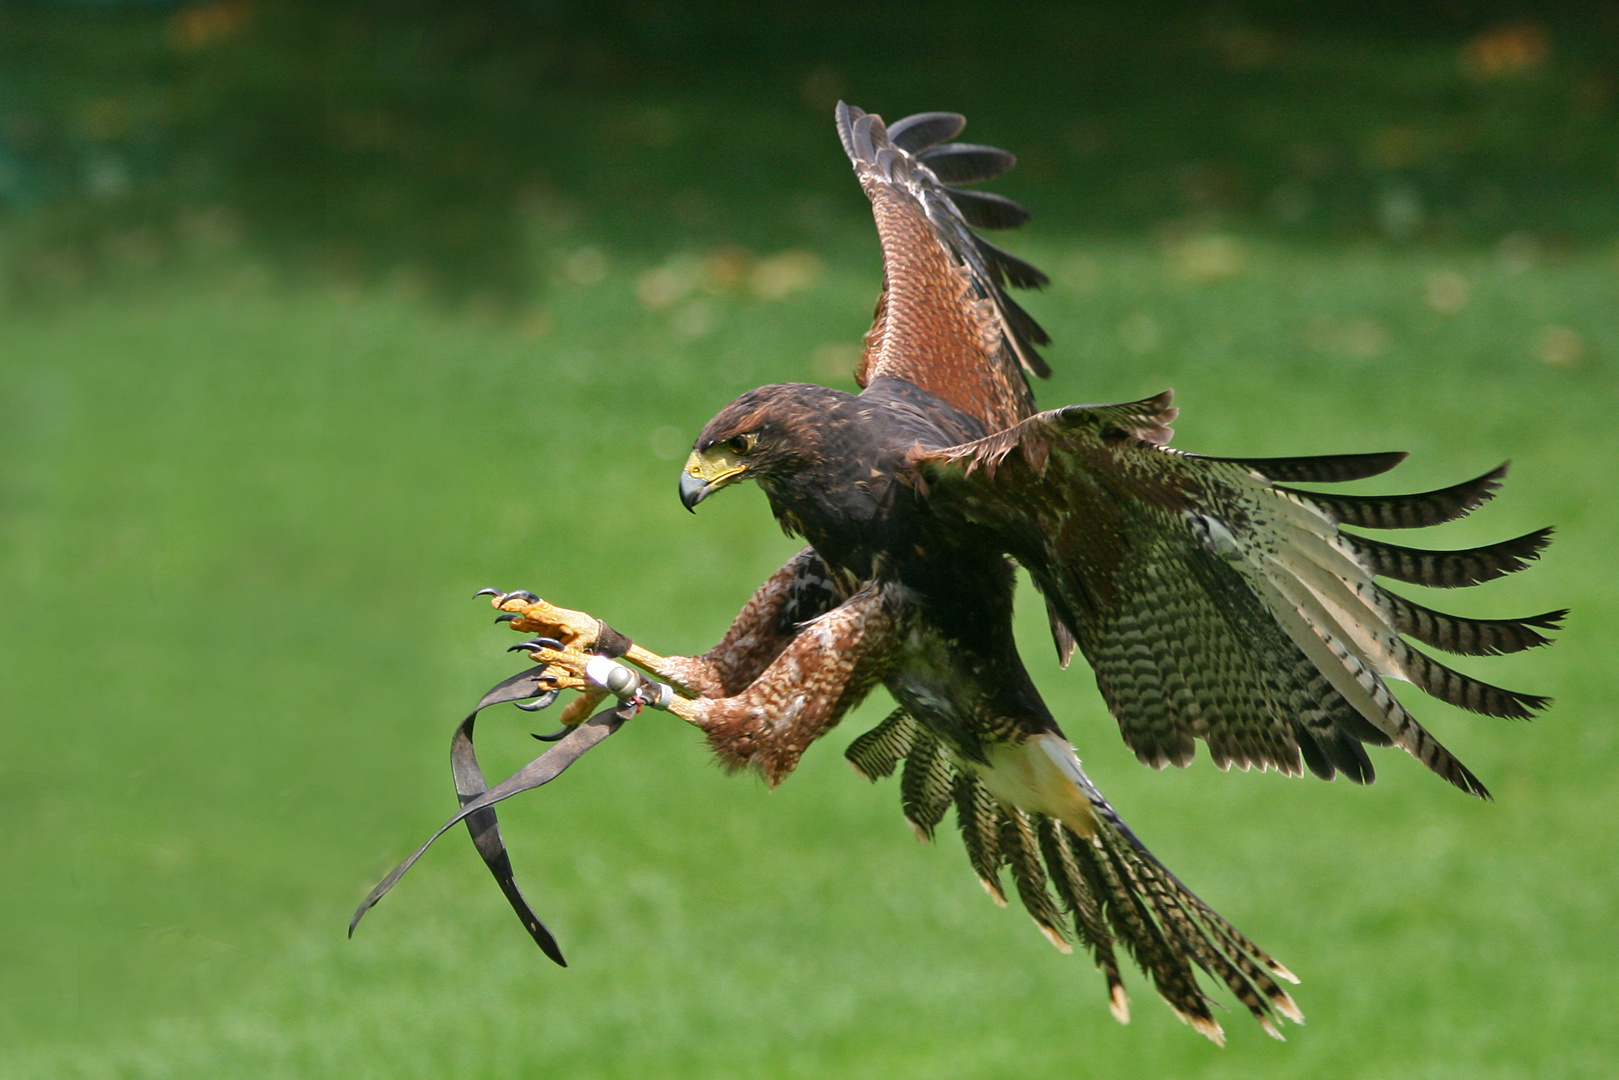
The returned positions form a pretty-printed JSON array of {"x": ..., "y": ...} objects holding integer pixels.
[
  {"x": 1321, "y": 468},
  {"x": 1463, "y": 778},
  {"x": 1440, "y": 569},
  {"x": 967, "y": 163},
  {"x": 1466, "y": 692},
  {"x": 986, "y": 210},
  {"x": 844, "y": 117},
  {"x": 1415, "y": 511},
  {"x": 1010, "y": 269},
  {"x": 1472, "y": 637},
  {"x": 855, "y": 132},
  {"x": 922, "y": 131},
  {"x": 1328, "y": 751}
]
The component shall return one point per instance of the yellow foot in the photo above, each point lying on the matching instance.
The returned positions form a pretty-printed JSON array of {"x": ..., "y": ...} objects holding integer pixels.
[
  {"x": 531, "y": 615},
  {"x": 571, "y": 642}
]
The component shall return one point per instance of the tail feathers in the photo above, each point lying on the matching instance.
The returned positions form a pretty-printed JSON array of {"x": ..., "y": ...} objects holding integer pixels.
[
  {"x": 1103, "y": 893},
  {"x": 876, "y": 753},
  {"x": 1129, "y": 910},
  {"x": 978, "y": 815},
  {"x": 1083, "y": 907},
  {"x": 1024, "y": 859},
  {"x": 927, "y": 784},
  {"x": 1174, "y": 930}
]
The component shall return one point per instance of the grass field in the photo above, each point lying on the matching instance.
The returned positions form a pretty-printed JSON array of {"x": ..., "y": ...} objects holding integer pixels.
[{"x": 240, "y": 523}]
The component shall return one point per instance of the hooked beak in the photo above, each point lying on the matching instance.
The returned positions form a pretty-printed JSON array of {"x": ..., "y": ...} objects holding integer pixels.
[
  {"x": 705, "y": 474},
  {"x": 693, "y": 490}
]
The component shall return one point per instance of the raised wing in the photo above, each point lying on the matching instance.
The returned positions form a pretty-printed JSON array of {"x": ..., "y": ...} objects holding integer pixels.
[
  {"x": 944, "y": 321},
  {"x": 1217, "y": 604}
]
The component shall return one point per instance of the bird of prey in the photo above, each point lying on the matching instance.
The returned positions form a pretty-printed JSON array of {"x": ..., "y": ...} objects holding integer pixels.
[{"x": 1213, "y": 598}]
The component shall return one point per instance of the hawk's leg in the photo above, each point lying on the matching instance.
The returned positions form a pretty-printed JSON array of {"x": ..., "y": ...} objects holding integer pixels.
[
  {"x": 580, "y": 635},
  {"x": 828, "y": 667},
  {"x": 800, "y": 591}
]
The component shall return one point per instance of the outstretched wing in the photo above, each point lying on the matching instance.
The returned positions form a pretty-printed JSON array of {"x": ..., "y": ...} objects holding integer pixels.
[
  {"x": 1215, "y": 603},
  {"x": 944, "y": 321}
]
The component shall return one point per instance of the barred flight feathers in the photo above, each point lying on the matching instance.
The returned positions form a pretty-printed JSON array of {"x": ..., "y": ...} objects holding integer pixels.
[
  {"x": 1464, "y": 691},
  {"x": 1408, "y": 511},
  {"x": 1450, "y": 569},
  {"x": 1323, "y": 469},
  {"x": 1472, "y": 637},
  {"x": 944, "y": 321},
  {"x": 1216, "y": 604}
]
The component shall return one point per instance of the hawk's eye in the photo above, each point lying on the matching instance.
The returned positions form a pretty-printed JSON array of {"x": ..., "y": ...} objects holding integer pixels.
[{"x": 741, "y": 444}]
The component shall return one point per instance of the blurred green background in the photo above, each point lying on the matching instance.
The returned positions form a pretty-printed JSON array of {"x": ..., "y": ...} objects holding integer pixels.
[{"x": 314, "y": 318}]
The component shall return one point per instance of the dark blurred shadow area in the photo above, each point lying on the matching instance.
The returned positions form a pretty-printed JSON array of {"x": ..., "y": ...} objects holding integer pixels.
[{"x": 451, "y": 148}]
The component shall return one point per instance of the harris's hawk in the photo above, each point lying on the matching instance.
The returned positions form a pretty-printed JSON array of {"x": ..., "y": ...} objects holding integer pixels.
[{"x": 1213, "y": 598}]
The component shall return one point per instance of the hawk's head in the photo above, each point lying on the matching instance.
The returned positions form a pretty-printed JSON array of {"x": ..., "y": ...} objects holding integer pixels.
[{"x": 766, "y": 435}]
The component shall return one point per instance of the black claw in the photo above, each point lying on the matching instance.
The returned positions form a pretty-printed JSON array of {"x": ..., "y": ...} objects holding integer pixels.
[
  {"x": 520, "y": 594},
  {"x": 541, "y": 702},
  {"x": 537, "y": 643},
  {"x": 486, "y": 592},
  {"x": 506, "y": 616},
  {"x": 554, "y": 736}
]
